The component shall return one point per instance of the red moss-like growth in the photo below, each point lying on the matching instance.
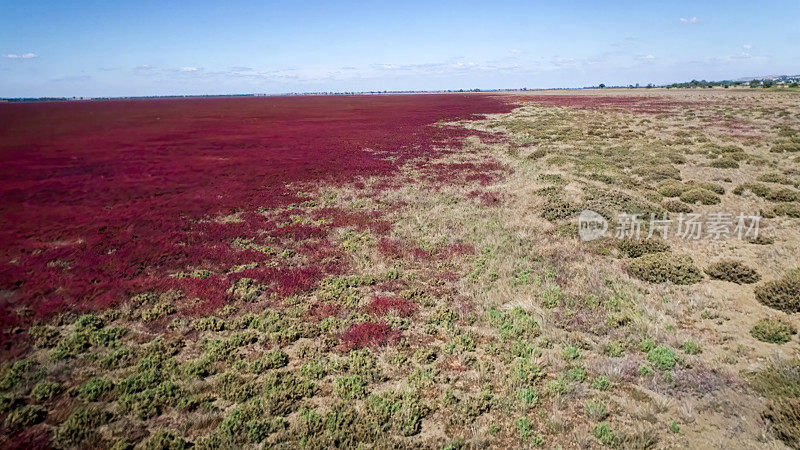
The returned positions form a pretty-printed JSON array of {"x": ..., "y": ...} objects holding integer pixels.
[
  {"x": 383, "y": 305},
  {"x": 368, "y": 334},
  {"x": 105, "y": 199}
]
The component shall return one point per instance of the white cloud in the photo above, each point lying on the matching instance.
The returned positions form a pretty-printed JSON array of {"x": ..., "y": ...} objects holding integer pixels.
[
  {"x": 690, "y": 20},
  {"x": 747, "y": 46},
  {"x": 22, "y": 56},
  {"x": 515, "y": 50},
  {"x": 647, "y": 57},
  {"x": 189, "y": 69}
]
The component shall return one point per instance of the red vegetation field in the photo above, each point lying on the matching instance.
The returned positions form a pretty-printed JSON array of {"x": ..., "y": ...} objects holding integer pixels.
[{"x": 105, "y": 199}]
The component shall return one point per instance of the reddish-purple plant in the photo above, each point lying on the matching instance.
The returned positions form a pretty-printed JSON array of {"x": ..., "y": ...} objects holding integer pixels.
[
  {"x": 368, "y": 334},
  {"x": 383, "y": 305}
]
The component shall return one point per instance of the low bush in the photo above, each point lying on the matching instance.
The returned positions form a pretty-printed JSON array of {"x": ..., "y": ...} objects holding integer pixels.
[
  {"x": 350, "y": 387},
  {"x": 671, "y": 188},
  {"x": 605, "y": 435},
  {"x": 725, "y": 163},
  {"x": 665, "y": 267},
  {"x": 691, "y": 348},
  {"x": 662, "y": 357},
  {"x": 784, "y": 414},
  {"x": 676, "y": 206},
  {"x": 558, "y": 209},
  {"x": 733, "y": 271},
  {"x": 634, "y": 248},
  {"x": 774, "y": 331},
  {"x": 45, "y": 390},
  {"x": 80, "y": 428},
  {"x": 782, "y": 294},
  {"x": 700, "y": 195},
  {"x": 274, "y": 359},
  {"x": 95, "y": 388},
  {"x": 787, "y": 209},
  {"x": 25, "y": 416},
  {"x": 165, "y": 440}
]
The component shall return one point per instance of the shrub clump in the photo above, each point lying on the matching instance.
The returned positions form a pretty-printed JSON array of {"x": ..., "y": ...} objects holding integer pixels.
[
  {"x": 558, "y": 209},
  {"x": 774, "y": 331},
  {"x": 676, "y": 206},
  {"x": 788, "y": 209},
  {"x": 700, "y": 195},
  {"x": 634, "y": 248},
  {"x": 662, "y": 357},
  {"x": 665, "y": 267},
  {"x": 80, "y": 427},
  {"x": 733, "y": 271},
  {"x": 671, "y": 188},
  {"x": 725, "y": 163},
  {"x": 784, "y": 414},
  {"x": 782, "y": 294}
]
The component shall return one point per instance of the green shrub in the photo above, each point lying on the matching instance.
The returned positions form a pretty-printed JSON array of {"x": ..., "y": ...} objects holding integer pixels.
[
  {"x": 234, "y": 387},
  {"x": 274, "y": 359},
  {"x": 528, "y": 396},
  {"x": 614, "y": 349},
  {"x": 691, "y": 348},
  {"x": 165, "y": 440},
  {"x": 782, "y": 294},
  {"x": 662, "y": 357},
  {"x": 634, "y": 248},
  {"x": 558, "y": 209},
  {"x": 784, "y": 195},
  {"x": 571, "y": 353},
  {"x": 524, "y": 428},
  {"x": 575, "y": 374},
  {"x": 595, "y": 411},
  {"x": 671, "y": 188},
  {"x": 45, "y": 390},
  {"x": 350, "y": 387},
  {"x": 665, "y": 267},
  {"x": 725, "y": 163},
  {"x": 775, "y": 331},
  {"x": 758, "y": 189},
  {"x": 95, "y": 388},
  {"x": 778, "y": 178},
  {"x": 425, "y": 355},
  {"x": 25, "y": 415},
  {"x": 399, "y": 412},
  {"x": 246, "y": 289},
  {"x": 605, "y": 435},
  {"x": 644, "y": 371},
  {"x": 80, "y": 428},
  {"x": 784, "y": 415},
  {"x": 601, "y": 383},
  {"x": 787, "y": 209},
  {"x": 713, "y": 187},
  {"x": 210, "y": 323},
  {"x": 15, "y": 374},
  {"x": 700, "y": 195},
  {"x": 733, "y": 271},
  {"x": 44, "y": 336},
  {"x": 676, "y": 206}
]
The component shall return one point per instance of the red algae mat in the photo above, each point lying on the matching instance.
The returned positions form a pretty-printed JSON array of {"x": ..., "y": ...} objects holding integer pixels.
[{"x": 105, "y": 199}]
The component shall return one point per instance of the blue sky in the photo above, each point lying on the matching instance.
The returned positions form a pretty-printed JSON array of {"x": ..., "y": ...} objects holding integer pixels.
[{"x": 118, "y": 48}]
